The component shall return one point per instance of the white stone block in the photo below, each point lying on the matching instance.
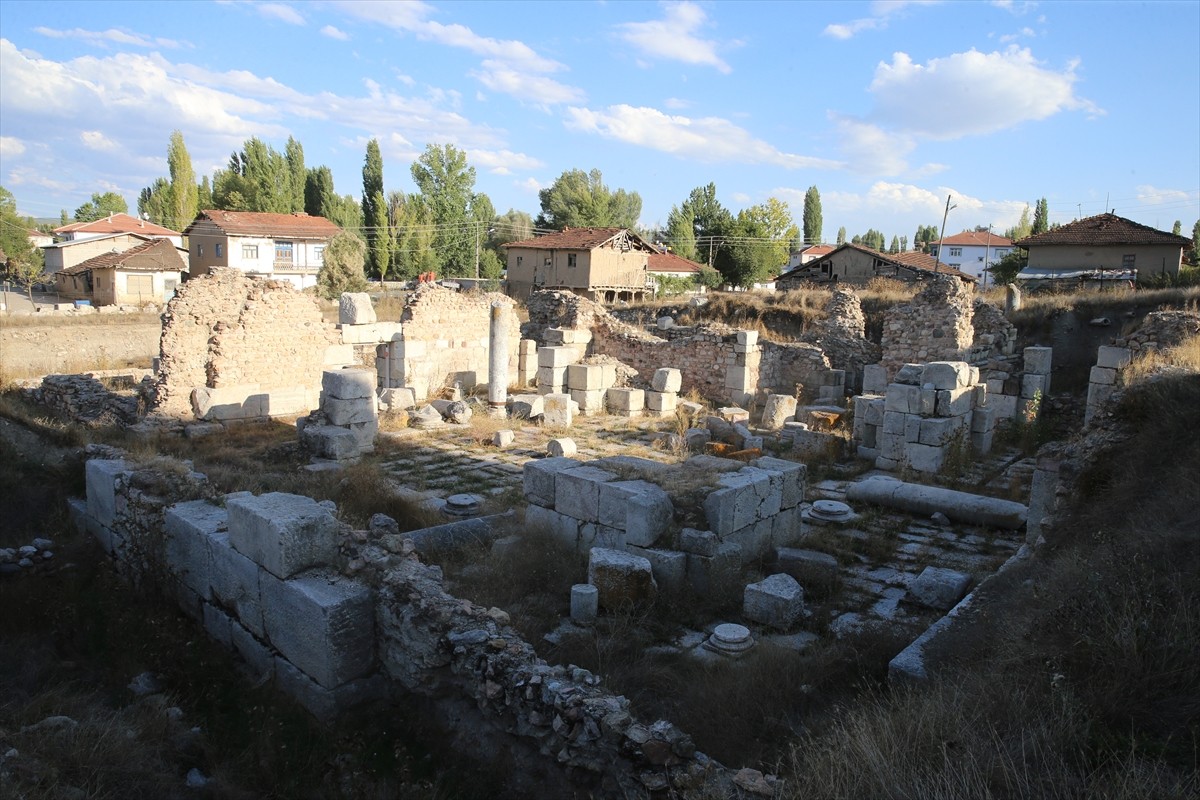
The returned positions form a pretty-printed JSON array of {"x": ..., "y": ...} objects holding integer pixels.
[
  {"x": 940, "y": 431},
  {"x": 662, "y": 402},
  {"x": 283, "y": 533},
  {"x": 747, "y": 338},
  {"x": 504, "y": 439},
  {"x": 622, "y": 580},
  {"x": 102, "y": 476},
  {"x": 1033, "y": 385},
  {"x": 558, "y": 410},
  {"x": 903, "y": 398},
  {"x": 561, "y": 448},
  {"x": 585, "y": 377},
  {"x": 188, "y": 529},
  {"x": 874, "y": 379},
  {"x": 669, "y": 567},
  {"x": 347, "y": 412},
  {"x": 397, "y": 399},
  {"x": 667, "y": 380},
  {"x": 526, "y": 406},
  {"x": 540, "y": 476},
  {"x": 577, "y": 492},
  {"x": 702, "y": 543},
  {"x": 349, "y": 383},
  {"x": 938, "y": 588},
  {"x": 371, "y": 334},
  {"x": 778, "y": 409},
  {"x": 626, "y": 399},
  {"x": 590, "y": 402},
  {"x": 235, "y": 584},
  {"x": 955, "y": 402},
  {"x": 1113, "y": 357},
  {"x": 1038, "y": 359},
  {"x": 556, "y": 357},
  {"x": 924, "y": 458},
  {"x": 1103, "y": 375},
  {"x": 946, "y": 374},
  {"x": 777, "y": 601},
  {"x": 551, "y": 380},
  {"x": 354, "y": 308}
]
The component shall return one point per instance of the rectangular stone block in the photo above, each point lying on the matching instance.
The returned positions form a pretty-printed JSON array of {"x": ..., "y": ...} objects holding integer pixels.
[
  {"x": 895, "y": 422},
  {"x": 577, "y": 492},
  {"x": 1113, "y": 357},
  {"x": 912, "y": 428},
  {"x": 189, "y": 528},
  {"x": 983, "y": 419},
  {"x": 614, "y": 497},
  {"x": 662, "y": 402},
  {"x": 955, "y": 402},
  {"x": 526, "y": 406},
  {"x": 596, "y": 535},
  {"x": 744, "y": 498},
  {"x": 370, "y": 334},
  {"x": 346, "y": 412},
  {"x": 748, "y": 338},
  {"x": 1104, "y": 375},
  {"x": 556, "y": 357},
  {"x": 562, "y": 527},
  {"x": 706, "y": 573},
  {"x": 350, "y": 383},
  {"x": 323, "y": 624},
  {"x": 738, "y": 378},
  {"x": 1098, "y": 394},
  {"x": 551, "y": 380},
  {"x": 648, "y": 515},
  {"x": 585, "y": 377},
  {"x": 891, "y": 446},
  {"x": 777, "y": 601},
  {"x": 626, "y": 399},
  {"x": 1004, "y": 405},
  {"x": 946, "y": 374},
  {"x": 539, "y": 478},
  {"x": 669, "y": 567},
  {"x": 354, "y": 308},
  {"x": 258, "y": 657},
  {"x": 235, "y": 584},
  {"x": 102, "y": 476},
  {"x": 903, "y": 398},
  {"x": 981, "y": 441},
  {"x": 701, "y": 543},
  {"x": 940, "y": 431},
  {"x": 527, "y": 347},
  {"x": 792, "y": 478},
  {"x": 283, "y": 533},
  {"x": 323, "y": 703},
  {"x": 924, "y": 458},
  {"x": 787, "y": 527},
  {"x": 874, "y": 379},
  {"x": 590, "y": 403},
  {"x": 667, "y": 380},
  {"x": 1038, "y": 359},
  {"x": 218, "y": 624},
  {"x": 1033, "y": 385},
  {"x": 558, "y": 410},
  {"x": 870, "y": 408},
  {"x": 608, "y": 373},
  {"x": 339, "y": 355},
  {"x": 995, "y": 386}
]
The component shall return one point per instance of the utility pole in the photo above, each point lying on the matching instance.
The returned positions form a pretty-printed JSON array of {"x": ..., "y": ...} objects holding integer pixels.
[
  {"x": 987, "y": 256},
  {"x": 477, "y": 226},
  {"x": 938, "y": 258}
]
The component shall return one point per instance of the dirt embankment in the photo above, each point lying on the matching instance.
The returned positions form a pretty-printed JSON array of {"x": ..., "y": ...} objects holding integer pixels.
[{"x": 29, "y": 348}]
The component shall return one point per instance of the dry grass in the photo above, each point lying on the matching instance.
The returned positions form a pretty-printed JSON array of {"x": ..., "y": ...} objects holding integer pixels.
[
  {"x": 1185, "y": 355},
  {"x": 71, "y": 320}
]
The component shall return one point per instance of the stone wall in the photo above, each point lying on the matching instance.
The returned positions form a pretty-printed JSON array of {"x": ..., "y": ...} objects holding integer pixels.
[
  {"x": 1161, "y": 330},
  {"x": 235, "y": 347},
  {"x": 995, "y": 336},
  {"x": 934, "y": 326}
]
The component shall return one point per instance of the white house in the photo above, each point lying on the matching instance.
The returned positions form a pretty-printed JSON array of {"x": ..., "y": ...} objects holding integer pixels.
[
  {"x": 116, "y": 223},
  {"x": 972, "y": 252},
  {"x": 287, "y": 247}
]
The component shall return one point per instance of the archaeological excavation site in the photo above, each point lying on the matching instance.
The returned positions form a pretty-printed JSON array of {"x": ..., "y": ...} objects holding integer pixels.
[{"x": 449, "y": 544}]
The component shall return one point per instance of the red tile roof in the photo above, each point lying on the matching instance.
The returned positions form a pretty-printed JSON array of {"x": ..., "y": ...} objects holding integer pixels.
[
  {"x": 580, "y": 239},
  {"x": 977, "y": 239},
  {"x": 117, "y": 223},
  {"x": 156, "y": 255},
  {"x": 818, "y": 250},
  {"x": 264, "y": 223},
  {"x": 1104, "y": 229},
  {"x": 913, "y": 259},
  {"x": 669, "y": 262}
]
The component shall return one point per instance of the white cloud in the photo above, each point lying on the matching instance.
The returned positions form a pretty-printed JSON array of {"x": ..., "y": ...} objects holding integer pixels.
[
  {"x": 1152, "y": 196},
  {"x": 407, "y": 80},
  {"x": 537, "y": 90},
  {"x": 11, "y": 147},
  {"x": 905, "y": 200},
  {"x": 503, "y": 162},
  {"x": 104, "y": 38},
  {"x": 741, "y": 198},
  {"x": 96, "y": 140},
  {"x": 1012, "y": 37},
  {"x": 673, "y": 38},
  {"x": 28, "y": 176},
  {"x": 531, "y": 185},
  {"x": 677, "y": 103},
  {"x": 881, "y": 12},
  {"x": 1016, "y": 9},
  {"x": 705, "y": 139},
  {"x": 989, "y": 92},
  {"x": 334, "y": 33},
  {"x": 872, "y": 150},
  {"x": 281, "y": 12}
]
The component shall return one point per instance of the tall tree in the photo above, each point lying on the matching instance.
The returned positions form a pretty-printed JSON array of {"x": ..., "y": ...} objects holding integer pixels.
[
  {"x": 895, "y": 247},
  {"x": 100, "y": 206},
  {"x": 204, "y": 195},
  {"x": 812, "y": 216},
  {"x": 1196, "y": 242},
  {"x": 511, "y": 226},
  {"x": 712, "y": 221},
  {"x": 447, "y": 184},
  {"x": 903, "y": 244},
  {"x": 21, "y": 261},
  {"x": 1177, "y": 228},
  {"x": 374, "y": 208},
  {"x": 581, "y": 199},
  {"x": 320, "y": 198},
  {"x": 266, "y": 172},
  {"x": 841, "y": 237},
  {"x": 681, "y": 232},
  {"x": 1041, "y": 217},
  {"x": 293, "y": 156},
  {"x": 1023, "y": 227},
  {"x": 756, "y": 244},
  {"x": 342, "y": 267},
  {"x": 154, "y": 203},
  {"x": 183, "y": 196}
]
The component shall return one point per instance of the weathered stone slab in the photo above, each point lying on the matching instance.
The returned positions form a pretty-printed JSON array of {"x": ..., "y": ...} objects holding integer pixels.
[
  {"x": 590, "y": 402},
  {"x": 283, "y": 533},
  {"x": 662, "y": 402},
  {"x": 526, "y": 406},
  {"x": 810, "y": 567},
  {"x": 557, "y": 357},
  {"x": 585, "y": 377},
  {"x": 669, "y": 567},
  {"x": 622, "y": 579},
  {"x": 558, "y": 410},
  {"x": 330, "y": 441},
  {"x": 1038, "y": 359},
  {"x": 667, "y": 380},
  {"x": 946, "y": 374},
  {"x": 348, "y": 383},
  {"x": 577, "y": 492},
  {"x": 235, "y": 583},
  {"x": 778, "y": 409},
  {"x": 793, "y": 476},
  {"x": 1103, "y": 375},
  {"x": 701, "y": 543},
  {"x": 102, "y": 476},
  {"x": 938, "y": 588},
  {"x": 189, "y": 527},
  {"x": 1113, "y": 357},
  {"x": 346, "y": 412},
  {"x": 354, "y": 308},
  {"x": 777, "y": 601},
  {"x": 561, "y": 448},
  {"x": 626, "y": 399},
  {"x": 955, "y": 402},
  {"x": 539, "y": 478}
]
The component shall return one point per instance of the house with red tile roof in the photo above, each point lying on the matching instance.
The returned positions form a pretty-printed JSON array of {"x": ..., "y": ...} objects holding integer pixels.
[
  {"x": 1103, "y": 247},
  {"x": 116, "y": 223},
  {"x": 973, "y": 252},
  {"x": 145, "y": 273},
  {"x": 858, "y": 265},
  {"x": 602, "y": 264},
  {"x": 287, "y": 247}
]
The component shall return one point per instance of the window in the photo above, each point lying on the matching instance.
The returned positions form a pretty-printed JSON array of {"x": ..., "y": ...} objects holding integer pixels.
[
  {"x": 1127, "y": 260},
  {"x": 955, "y": 251},
  {"x": 250, "y": 252},
  {"x": 218, "y": 248},
  {"x": 981, "y": 258},
  {"x": 319, "y": 254},
  {"x": 199, "y": 249},
  {"x": 547, "y": 262},
  {"x": 519, "y": 260},
  {"x": 571, "y": 260},
  {"x": 283, "y": 251}
]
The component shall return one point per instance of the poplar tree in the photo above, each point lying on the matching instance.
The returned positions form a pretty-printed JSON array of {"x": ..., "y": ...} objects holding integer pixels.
[
  {"x": 812, "y": 216},
  {"x": 1041, "y": 217},
  {"x": 293, "y": 154},
  {"x": 374, "y": 208},
  {"x": 183, "y": 196}
]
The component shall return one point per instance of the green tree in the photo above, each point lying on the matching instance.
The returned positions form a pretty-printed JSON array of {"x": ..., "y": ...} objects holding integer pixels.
[
  {"x": 1177, "y": 228},
  {"x": 154, "y": 203},
  {"x": 580, "y": 199},
  {"x": 447, "y": 184},
  {"x": 293, "y": 156},
  {"x": 21, "y": 261},
  {"x": 374, "y": 211},
  {"x": 1023, "y": 227},
  {"x": 412, "y": 223},
  {"x": 1005, "y": 270},
  {"x": 895, "y": 247},
  {"x": 711, "y": 221},
  {"x": 1196, "y": 242},
  {"x": 773, "y": 220},
  {"x": 708, "y": 277},
  {"x": 812, "y": 216},
  {"x": 266, "y": 173},
  {"x": 903, "y": 244},
  {"x": 100, "y": 206},
  {"x": 342, "y": 267},
  {"x": 511, "y": 226},
  {"x": 320, "y": 198},
  {"x": 1041, "y": 218},
  {"x": 204, "y": 195},
  {"x": 841, "y": 237},
  {"x": 681, "y": 232},
  {"x": 183, "y": 194}
]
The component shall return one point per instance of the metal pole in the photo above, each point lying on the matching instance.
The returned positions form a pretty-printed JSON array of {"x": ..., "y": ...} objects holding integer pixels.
[
  {"x": 937, "y": 259},
  {"x": 987, "y": 253},
  {"x": 477, "y": 250}
]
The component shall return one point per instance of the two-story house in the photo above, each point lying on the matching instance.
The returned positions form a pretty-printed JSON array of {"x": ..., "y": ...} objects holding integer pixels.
[
  {"x": 857, "y": 264},
  {"x": 1102, "y": 248},
  {"x": 116, "y": 223},
  {"x": 148, "y": 272},
  {"x": 972, "y": 252},
  {"x": 602, "y": 264},
  {"x": 287, "y": 247}
]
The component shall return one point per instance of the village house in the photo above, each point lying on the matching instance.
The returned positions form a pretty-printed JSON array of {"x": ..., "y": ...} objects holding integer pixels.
[
  {"x": 1102, "y": 248},
  {"x": 973, "y": 252},
  {"x": 146, "y": 273},
  {"x": 857, "y": 265},
  {"x": 72, "y": 252},
  {"x": 807, "y": 253},
  {"x": 602, "y": 264},
  {"x": 671, "y": 266},
  {"x": 116, "y": 223},
  {"x": 287, "y": 247}
]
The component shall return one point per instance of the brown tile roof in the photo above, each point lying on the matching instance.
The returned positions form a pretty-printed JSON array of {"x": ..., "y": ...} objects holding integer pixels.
[
  {"x": 117, "y": 223},
  {"x": 977, "y": 239},
  {"x": 669, "y": 262},
  {"x": 818, "y": 250},
  {"x": 913, "y": 259},
  {"x": 264, "y": 223},
  {"x": 580, "y": 239},
  {"x": 156, "y": 255},
  {"x": 1104, "y": 229}
]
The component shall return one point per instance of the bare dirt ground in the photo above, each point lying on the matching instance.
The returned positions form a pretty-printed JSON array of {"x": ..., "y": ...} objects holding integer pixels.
[{"x": 30, "y": 346}]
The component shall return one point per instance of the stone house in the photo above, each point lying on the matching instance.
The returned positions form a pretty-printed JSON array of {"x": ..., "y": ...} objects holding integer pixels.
[
  {"x": 71, "y": 252},
  {"x": 146, "y": 273},
  {"x": 288, "y": 247},
  {"x": 858, "y": 265},
  {"x": 602, "y": 264},
  {"x": 116, "y": 223},
  {"x": 1100, "y": 248},
  {"x": 973, "y": 252}
]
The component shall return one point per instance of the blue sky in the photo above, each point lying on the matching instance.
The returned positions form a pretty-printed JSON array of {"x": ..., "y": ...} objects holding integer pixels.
[{"x": 886, "y": 107}]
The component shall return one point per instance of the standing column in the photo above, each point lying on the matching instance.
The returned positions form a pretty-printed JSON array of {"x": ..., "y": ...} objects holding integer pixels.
[{"x": 498, "y": 358}]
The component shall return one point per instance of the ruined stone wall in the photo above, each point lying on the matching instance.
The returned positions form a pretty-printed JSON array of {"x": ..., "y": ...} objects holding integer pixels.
[
  {"x": 558, "y": 309},
  {"x": 995, "y": 336},
  {"x": 787, "y": 366},
  {"x": 226, "y": 330},
  {"x": 934, "y": 326},
  {"x": 1161, "y": 330}
]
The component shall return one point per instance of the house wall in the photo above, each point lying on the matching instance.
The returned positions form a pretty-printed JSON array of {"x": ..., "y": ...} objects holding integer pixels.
[
  {"x": 848, "y": 266},
  {"x": 528, "y": 267},
  {"x": 970, "y": 260},
  {"x": 126, "y": 287},
  {"x": 301, "y": 270},
  {"x": 60, "y": 258},
  {"x": 1148, "y": 259}
]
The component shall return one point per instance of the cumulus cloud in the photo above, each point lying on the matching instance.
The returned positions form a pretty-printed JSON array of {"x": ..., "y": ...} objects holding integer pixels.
[
  {"x": 11, "y": 147},
  {"x": 281, "y": 12},
  {"x": 705, "y": 139},
  {"x": 533, "y": 89},
  {"x": 674, "y": 37},
  {"x": 917, "y": 203},
  {"x": 334, "y": 33},
  {"x": 871, "y": 149},
  {"x": 96, "y": 140},
  {"x": 503, "y": 162},
  {"x": 677, "y": 103},
  {"x": 1152, "y": 196},
  {"x": 108, "y": 37},
  {"x": 989, "y": 92},
  {"x": 881, "y": 12}
]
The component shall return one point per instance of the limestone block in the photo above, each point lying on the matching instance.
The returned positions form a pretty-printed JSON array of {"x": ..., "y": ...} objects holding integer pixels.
[
  {"x": 833, "y": 377},
  {"x": 1038, "y": 359},
  {"x": 283, "y": 533},
  {"x": 1104, "y": 375},
  {"x": 217, "y": 623},
  {"x": 560, "y": 526},
  {"x": 245, "y": 401},
  {"x": 526, "y": 406},
  {"x": 895, "y": 422},
  {"x": 995, "y": 386},
  {"x": 787, "y": 527},
  {"x": 556, "y": 357},
  {"x": 955, "y": 402},
  {"x": 102, "y": 475},
  {"x": 540, "y": 476},
  {"x": 662, "y": 403},
  {"x": 236, "y": 583},
  {"x": 946, "y": 374},
  {"x": 1113, "y": 357},
  {"x": 614, "y": 497},
  {"x": 558, "y": 410},
  {"x": 810, "y": 567},
  {"x": 1032, "y": 385},
  {"x": 981, "y": 441},
  {"x": 1097, "y": 396},
  {"x": 338, "y": 355},
  {"x": 940, "y": 431},
  {"x": 903, "y": 398},
  {"x": 816, "y": 444},
  {"x": 349, "y": 383},
  {"x": 346, "y": 412},
  {"x": 874, "y": 379},
  {"x": 669, "y": 567},
  {"x": 591, "y": 402},
  {"x": 504, "y": 438},
  {"x": 736, "y": 504},
  {"x": 258, "y": 657},
  {"x": 927, "y": 402},
  {"x": 323, "y": 624},
  {"x": 551, "y": 379},
  {"x": 792, "y": 478},
  {"x": 733, "y": 415},
  {"x": 397, "y": 399},
  {"x": 738, "y": 378},
  {"x": 701, "y": 543},
  {"x": 1004, "y": 405},
  {"x": 891, "y": 445},
  {"x": 372, "y": 333},
  {"x": 188, "y": 527},
  {"x": 983, "y": 419},
  {"x": 696, "y": 438},
  {"x": 939, "y": 588},
  {"x": 626, "y": 399},
  {"x": 778, "y": 409},
  {"x": 912, "y": 428},
  {"x": 330, "y": 441},
  {"x": 706, "y": 574},
  {"x": 527, "y": 347},
  {"x": 595, "y": 535},
  {"x": 870, "y": 408},
  {"x": 584, "y": 603},
  {"x": 910, "y": 374},
  {"x": 577, "y": 492},
  {"x": 561, "y": 448},
  {"x": 585, "y": 377},
  {"x": 648, "y": 514},
  {"x": 621, "y": 579},
  {"x": 777, "y": 601},
  {"x": 667, "y": 380},
  {"x": 924, "y": 458},
  {"x": 747, "y": 338},
  {"x": 323, "y": 703},
  {"x": 354, "y": 308}
]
